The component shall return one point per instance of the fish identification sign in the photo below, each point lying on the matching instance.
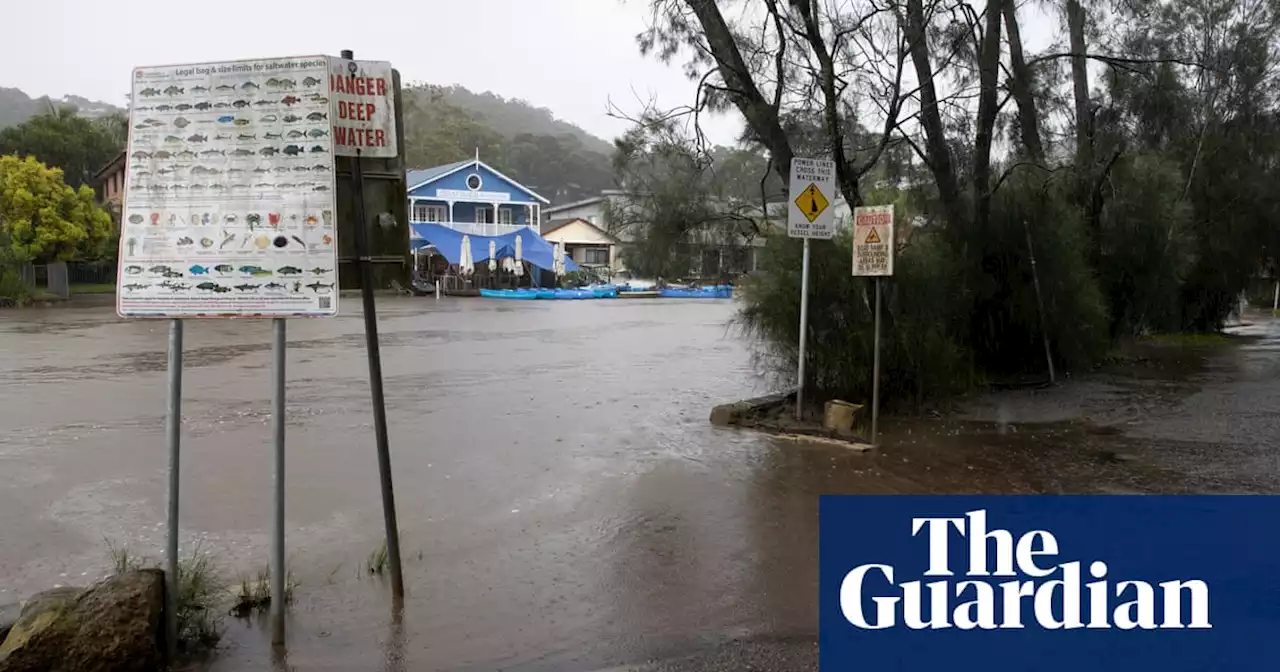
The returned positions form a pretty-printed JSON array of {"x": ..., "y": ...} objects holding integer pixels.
[
  {"x": 873, "y": 241},
  {"x": 229, "y": 207},
  {"x": 364, "y": 113},
  {"x": 813, "y": 188}
]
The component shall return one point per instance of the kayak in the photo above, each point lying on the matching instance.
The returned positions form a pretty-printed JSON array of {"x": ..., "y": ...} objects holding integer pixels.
[{"x": 522, "y": 294}]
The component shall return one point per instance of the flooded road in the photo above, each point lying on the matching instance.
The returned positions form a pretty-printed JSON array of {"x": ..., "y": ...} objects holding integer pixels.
[{"x": 565, "y": 504}]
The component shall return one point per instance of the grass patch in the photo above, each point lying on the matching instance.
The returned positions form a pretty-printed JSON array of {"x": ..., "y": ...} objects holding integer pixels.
[
  {"x": 254, "y": 595},
  {"x": 200, "y": 591},
  {"x": 378, "y": 560},
  {"x": 94, "y": 288},
  {"x": 1189, "y": 340}
]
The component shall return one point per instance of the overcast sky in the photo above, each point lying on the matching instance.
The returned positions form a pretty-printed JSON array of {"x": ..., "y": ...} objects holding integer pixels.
[{"x": 571, "y": 56}]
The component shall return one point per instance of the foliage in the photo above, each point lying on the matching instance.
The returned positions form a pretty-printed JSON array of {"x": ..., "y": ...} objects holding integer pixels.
[
  {"x": 201, "y": 591},
  {"x": 42, "y": 219},
  {"x": 63, "y": 139},
  {"x": 254, "y": 593},
  {"x": 17, "y": 107}
]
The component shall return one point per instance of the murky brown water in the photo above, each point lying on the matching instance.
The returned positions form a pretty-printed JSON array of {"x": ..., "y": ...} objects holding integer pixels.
[{"x": 564, "y": 503}]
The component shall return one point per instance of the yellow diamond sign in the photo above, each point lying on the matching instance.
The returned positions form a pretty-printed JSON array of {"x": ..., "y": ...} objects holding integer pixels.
[{"x": 812, "y": 202}]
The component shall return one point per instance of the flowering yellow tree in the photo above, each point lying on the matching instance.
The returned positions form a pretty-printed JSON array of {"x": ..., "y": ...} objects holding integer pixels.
[{"x": 43, "y": 219}]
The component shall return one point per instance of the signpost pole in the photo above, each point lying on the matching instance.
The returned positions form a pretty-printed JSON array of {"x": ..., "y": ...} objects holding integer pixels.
[
  {"x": 173, "y": 430},
  {"x": 277, "y": 527},
  {"x": 375, "y": 377},
  {"x": 804, "y": 324},
  {"x": 875, "y": 374}
]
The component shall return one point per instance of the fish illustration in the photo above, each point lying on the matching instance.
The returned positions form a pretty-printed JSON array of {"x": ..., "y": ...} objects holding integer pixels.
[
  {"x": 281, "y": 169},
  {"x": 182, "y": 107},
  {"x": 243, "y": 122},
  {"x": 157, "y": 187},
  {"x": 173, "y": 90},
  {"x": 136, "y": 218},
  {"x": 260, "y": 169},
  {"x": 302, "y": 169},
  {"x": 242, "y": 152},
  {"x": 317, "y": 286},
  {"x": 292, "y": 150},
  {"x": 240, "y": 185},
  {"x": 249, "y": 85},
  {"x": 291, "y": 118},
  {"x": 222, "y": 136},
  {"x": 198, "y": 186},
  {"x": 328, "y": 240},
  {"x": 181, "y": 122},
  {"x": 320, "y": 271},
  {"x": 253, "y": 219},
  {"x": 320, "y": 167},
  {"x": 196, "y": 137},
  {"x": 247, "y": 136},
  {"x": 263, "y": 185},
  {"x": 246, "y": 287},
  {"x": 143, "y": 108},
  {"x": 268, "y": 151},
  {"x": 317, "y": 132},
  {"x": 213, "y": 152},
  {"x": 288, "y": 270},
  {"x": 133, "y": 270},
  {"x": 172, "y": 138},
  {"x": 221, "y": 105},
  {"x": 227, "y": 238},
  {"x": 286, "y": 185},
  {"x": 317, "y": 116},
  {"x": 299, "y": 241},
  {"x": 175, "y": 286},
  {"x": 225, "y": 87},
  {"x": 179, "y": 186},
  {"x": 235, "y": 171},
  {"x": 206, "y": 243},
  {"x": 240, "y": 104},
  {"x": 149, "y": 92},
  {"x": 273, "y": 285},
  {"x": 269, "y": 118},
  {"x": 199, "y": 170},
  {"x": 164, "y": 108},
  {"x": 217, "y": 186},
  {"x": 224, "y": 268},
  {"x": 317, "y": 149},
  {"x": 311, "y": 81},
  {"x": 311, "y": 220},
  {"x": 207, "y": 286},
  {"x": 199, "y": 89},
  {"x": 141, "y": 155},
  {"x": 317, "y": 98},
  {"x": 199, "y": 270},
  {"x": 295, "y": 133},
  {"x": 286, "y": 84},
  {"x": 226, "y": 119},
  {"x": 185, "y": 241},
  {"x": 263, "y": 103},
  {"x": 186, "y": 154},
  {"x": 135, "y": 286},
  {"x": 166, "y": 171},
  {"x": 291, "y": 100},
  {"x": 297, "y": 287},
  {"x": 142, "y": 173},
  {"x": 272, "y": 136},
  {"x": 321, "y": 188},
  {"x": 158, "y": 269},
  {"x": 272, "y": 82},
  {"x": 164, "y": 154},
  {"x": 202, "y": 106}
]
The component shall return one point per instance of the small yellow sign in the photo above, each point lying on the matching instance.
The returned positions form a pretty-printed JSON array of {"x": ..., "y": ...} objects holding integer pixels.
[
  {"x": 811, "y": 202},
  {"x": 873, "y": 238}
]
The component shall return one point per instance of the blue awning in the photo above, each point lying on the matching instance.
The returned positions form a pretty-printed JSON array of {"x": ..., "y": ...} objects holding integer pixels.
[{"x": 533, "y": 247}]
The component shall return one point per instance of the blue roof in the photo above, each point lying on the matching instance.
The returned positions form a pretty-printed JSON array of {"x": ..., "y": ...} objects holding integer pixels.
[
  {"x": 416, "y": 177},
  {"x": 533, "y": 247}
]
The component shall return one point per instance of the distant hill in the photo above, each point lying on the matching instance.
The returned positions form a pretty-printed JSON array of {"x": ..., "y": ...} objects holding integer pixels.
[
  {"x": 512, "y": 116},
  {"x": 16, "y": 106}
]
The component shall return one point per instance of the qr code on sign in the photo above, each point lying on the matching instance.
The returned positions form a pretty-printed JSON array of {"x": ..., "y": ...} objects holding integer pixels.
[{"x": 326, "y": 302}]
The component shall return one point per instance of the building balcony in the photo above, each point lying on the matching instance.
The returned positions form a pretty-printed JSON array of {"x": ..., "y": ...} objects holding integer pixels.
[{"x": 478, "y": 228}]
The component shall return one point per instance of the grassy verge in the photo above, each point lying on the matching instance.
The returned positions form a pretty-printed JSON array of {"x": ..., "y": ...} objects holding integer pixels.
[
  {"x": 94, "y": 288},
  {"x": 1188, "y": 339},
  {"x": 200, "y": 593}
]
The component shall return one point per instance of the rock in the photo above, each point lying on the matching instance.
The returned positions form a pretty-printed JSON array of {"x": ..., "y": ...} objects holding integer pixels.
[
  {"x": 8, "y": 616},
  {"x": 116, "y": 626},
  {"x": 738, "y": 411}
]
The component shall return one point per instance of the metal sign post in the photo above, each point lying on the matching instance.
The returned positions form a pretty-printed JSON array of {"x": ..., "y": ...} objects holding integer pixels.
[
  {"x": 873, "y": 249},
  {"x": 173, "y": 432},
  {"x": 278, "y": 570},
  {"x": 809, "y": 215},
  {"x": 375, "y": 375}
]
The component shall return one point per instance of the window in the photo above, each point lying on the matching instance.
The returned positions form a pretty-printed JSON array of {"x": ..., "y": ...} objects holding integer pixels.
[
  {"x": 506, "y": 216},
  {"x": 484, "y": 214},
  {"x": 596, "y": 256},
  {"x": 474, "y": 182},
  {"x": 429, "y": 213}
]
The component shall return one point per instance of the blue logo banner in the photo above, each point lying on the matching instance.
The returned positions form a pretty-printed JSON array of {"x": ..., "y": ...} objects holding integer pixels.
[{"x": 1046, "y": 583}]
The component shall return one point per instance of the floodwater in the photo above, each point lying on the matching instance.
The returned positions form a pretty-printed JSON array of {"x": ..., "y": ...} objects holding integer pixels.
[{"x": 564, "y": 503}]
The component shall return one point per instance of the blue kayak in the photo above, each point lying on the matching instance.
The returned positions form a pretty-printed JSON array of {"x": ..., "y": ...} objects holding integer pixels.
[
  {"x": 717, "y": 292},
  {"x": 522, "y": 294}
]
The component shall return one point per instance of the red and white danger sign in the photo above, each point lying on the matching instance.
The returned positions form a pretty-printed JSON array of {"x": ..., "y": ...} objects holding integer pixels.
[{"x": 362, "y": 104}]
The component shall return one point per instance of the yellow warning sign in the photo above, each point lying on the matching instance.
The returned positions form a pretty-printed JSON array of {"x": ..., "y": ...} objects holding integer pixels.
[
  {"x": 873, "y": 238},
  {"x": 812, "y": 202}
]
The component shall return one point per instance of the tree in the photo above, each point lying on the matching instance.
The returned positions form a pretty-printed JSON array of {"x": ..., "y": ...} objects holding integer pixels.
[
  {"x": 61, "y": 139},
  {"x": 43, "y": 219}
]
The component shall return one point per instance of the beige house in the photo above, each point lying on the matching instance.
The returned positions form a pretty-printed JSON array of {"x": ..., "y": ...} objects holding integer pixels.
[{"x": 584, "y": 242}]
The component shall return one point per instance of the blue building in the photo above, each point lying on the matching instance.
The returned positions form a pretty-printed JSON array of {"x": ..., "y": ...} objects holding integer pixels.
[{"x": 473, "y": 198}]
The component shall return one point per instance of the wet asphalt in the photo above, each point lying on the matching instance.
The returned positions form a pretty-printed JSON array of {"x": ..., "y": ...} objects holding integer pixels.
[{"x": 564, "y": 503}]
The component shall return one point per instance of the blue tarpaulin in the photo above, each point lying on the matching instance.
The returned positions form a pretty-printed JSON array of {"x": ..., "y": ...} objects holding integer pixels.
[{"x": 533, "y": 248}]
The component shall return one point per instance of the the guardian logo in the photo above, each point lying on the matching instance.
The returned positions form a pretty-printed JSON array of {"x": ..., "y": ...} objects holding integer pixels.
[{"x": 1038, "y": 591}]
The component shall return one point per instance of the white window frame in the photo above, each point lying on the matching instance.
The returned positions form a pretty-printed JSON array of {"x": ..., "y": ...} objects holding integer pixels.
[
  {"x": 588, "y": 252},
  {"x": 482, "y": 213},
  {"x": 429, "y": 212},
  {"x": 506, "y": 216}
]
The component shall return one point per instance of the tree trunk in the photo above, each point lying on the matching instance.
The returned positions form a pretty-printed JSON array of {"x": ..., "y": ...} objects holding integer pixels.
[
  {"x": 988, "y": 79},
  {"x": 1090, "y": 203},
  {"x": 938, "y": 154},
  {"x": 1022, "y": 87},
  {"x": 760, "y": 114}
]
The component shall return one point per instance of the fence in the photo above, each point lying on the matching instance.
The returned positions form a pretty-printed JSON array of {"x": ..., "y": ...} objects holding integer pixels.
[{"x": 17, "y": 280}]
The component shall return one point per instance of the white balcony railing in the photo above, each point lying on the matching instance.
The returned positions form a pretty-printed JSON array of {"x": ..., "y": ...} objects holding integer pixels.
[{"x": 479, "y": 228}]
